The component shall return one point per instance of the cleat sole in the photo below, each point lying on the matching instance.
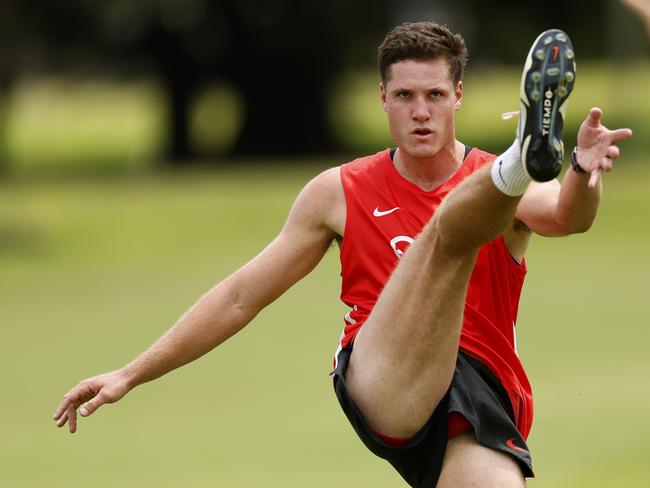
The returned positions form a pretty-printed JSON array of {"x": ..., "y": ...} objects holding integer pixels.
[{"x": 547, "y": 81}]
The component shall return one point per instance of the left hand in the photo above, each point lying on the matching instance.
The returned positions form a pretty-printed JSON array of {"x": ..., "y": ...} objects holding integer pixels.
[
  {"x": 89, "y": 395},
  {"x": 597, "y": 147}
]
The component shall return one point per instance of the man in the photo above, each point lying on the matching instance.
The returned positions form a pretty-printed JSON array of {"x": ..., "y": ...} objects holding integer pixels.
[{"x": 432, "y": 237}]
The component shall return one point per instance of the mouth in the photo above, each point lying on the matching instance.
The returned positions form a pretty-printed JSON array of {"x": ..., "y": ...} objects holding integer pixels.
[{"x": 422, "y": 132}]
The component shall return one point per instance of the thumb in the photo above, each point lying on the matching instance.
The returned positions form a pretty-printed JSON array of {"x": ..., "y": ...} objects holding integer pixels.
[
  {"x": 595, "y": 114},
  {"x": 90, "y": 406}
]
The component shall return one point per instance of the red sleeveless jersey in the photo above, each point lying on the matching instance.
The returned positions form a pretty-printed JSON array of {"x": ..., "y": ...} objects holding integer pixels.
[{"x": 385, "y": 212}]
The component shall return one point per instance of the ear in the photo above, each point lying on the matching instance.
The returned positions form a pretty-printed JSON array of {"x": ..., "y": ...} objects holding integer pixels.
[
  {"x": 459, "y": 96},
  {"x": 382, "y": 95}
]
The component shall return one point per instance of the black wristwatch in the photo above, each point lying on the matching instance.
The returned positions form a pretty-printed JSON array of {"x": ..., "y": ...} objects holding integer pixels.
[{"x": 574, "y": 162}]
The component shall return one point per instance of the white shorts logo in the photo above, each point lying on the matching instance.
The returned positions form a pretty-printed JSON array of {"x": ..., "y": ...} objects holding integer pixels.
[{"x": 398, "y": 249}]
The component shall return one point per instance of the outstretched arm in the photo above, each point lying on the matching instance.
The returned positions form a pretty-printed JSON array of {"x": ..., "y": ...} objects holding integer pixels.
[
  {"x": 552, "y": 210},
  {"x": 229, "y": 306}
]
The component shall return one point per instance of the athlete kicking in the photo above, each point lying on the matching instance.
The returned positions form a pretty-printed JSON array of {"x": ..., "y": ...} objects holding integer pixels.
[{"x": 432, "y": 236}]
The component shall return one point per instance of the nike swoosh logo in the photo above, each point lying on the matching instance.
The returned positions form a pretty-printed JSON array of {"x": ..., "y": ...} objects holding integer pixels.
[
  {"x": 500, "y": 175},
  {"x": 379, "y": 213},
  {"x": 510, "y": 443}
]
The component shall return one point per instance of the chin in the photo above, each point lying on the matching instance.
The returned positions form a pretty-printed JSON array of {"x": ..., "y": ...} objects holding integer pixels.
[{"x": 422, "y": 151}]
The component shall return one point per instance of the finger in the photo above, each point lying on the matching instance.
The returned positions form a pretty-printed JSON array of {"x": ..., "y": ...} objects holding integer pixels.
[
  {"x": 593, "y": 179},
  {"x": 72, "y": 419},
  {"x": 619, "y": 135},
  {"x": 73, "y": 398},
  {"x": 89, "y": 407},
  {"x": 593, "y": 119},
  {"x": 63, "y": 406},
  {"x": 607, "y": 164},
  {"x": 613, "y": 152},
  {"x": 61, "y": 422}
]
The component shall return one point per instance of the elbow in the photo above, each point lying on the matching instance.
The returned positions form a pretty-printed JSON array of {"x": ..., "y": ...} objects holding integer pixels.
[
  {"x": 230, "y": 301},
  {"x": 582, "y": 227},
  {"x": 565, "y": 228},
  {"x": 239, "y": 305}
]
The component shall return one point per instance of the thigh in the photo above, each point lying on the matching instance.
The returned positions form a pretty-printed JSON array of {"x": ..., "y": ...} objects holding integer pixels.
[
  {"x": 468, "y": 464},
  {"x": 404, "y": 355}
]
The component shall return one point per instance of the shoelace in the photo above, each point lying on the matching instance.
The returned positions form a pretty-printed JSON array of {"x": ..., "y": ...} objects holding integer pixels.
[{"x": 509, "y": 115}]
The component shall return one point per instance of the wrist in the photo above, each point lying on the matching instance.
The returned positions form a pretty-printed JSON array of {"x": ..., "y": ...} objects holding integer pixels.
[
  {"x": 574, "y": 162},
  {"x": 128, "y": 376}
]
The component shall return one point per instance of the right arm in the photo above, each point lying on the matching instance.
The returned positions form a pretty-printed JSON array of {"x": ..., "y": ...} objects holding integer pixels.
[{"x": 314, "y": 221}]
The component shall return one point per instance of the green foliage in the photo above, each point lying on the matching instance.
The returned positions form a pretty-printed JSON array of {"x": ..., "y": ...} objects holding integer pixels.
[
  {"x": 621, "y": 90},
  {"x": 64, "y": 126},
  {"x": 217, "y": 118},
  {"x": 93, "y": 272},
  {"x": 56, "y": 126},
  {"x": 67, "y": 126}
]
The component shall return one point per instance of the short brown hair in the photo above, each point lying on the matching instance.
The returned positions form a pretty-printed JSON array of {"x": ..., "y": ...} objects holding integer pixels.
[{"x": 423, "y": 41}]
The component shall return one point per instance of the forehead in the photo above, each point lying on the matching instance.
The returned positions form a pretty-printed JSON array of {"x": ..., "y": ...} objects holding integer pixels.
[{"x": 413, "y": 72}]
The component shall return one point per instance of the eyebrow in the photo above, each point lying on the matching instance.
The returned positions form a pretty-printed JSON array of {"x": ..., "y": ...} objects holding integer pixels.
[{"x": 429, "y": 89}]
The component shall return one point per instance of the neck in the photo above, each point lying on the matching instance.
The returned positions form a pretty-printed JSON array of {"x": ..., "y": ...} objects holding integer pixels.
[{"x": 429, "y": 173}]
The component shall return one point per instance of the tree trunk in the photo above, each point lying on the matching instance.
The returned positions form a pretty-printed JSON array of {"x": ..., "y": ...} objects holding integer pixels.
[
  {"x": 179, "y": 151},
  {"x": 284, "y": 118},
  {"x": 5, "y": 90},
  {"x": 180, "y": 78}
]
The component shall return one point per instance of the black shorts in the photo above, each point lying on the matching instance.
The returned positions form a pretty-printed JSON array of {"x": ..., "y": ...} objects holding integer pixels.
[{"x": 474, "y": 392}]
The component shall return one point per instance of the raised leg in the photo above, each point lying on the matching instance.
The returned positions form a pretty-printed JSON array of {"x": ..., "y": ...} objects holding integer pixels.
[{"x": 405, "y": 353}]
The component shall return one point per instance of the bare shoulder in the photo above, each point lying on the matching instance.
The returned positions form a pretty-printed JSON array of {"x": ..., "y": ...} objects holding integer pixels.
[
  {"x": 322, "y": 202},
  {"x": 327, "y": 184}
]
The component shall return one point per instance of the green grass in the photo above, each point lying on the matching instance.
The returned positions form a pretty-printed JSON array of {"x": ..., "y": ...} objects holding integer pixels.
[{"x": 92, "y": 272}]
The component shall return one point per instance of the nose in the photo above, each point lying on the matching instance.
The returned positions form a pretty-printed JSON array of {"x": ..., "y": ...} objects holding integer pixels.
[{"x": 421, "y": 111}]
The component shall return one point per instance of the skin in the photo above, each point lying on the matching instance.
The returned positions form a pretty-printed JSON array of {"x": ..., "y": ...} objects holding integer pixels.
[
  {"x": 396, "y": 377},
  {"x": 421, "y": 102}
]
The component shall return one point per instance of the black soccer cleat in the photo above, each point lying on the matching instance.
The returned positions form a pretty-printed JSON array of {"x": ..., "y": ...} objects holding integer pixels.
[{"x": 546, "y": 82}]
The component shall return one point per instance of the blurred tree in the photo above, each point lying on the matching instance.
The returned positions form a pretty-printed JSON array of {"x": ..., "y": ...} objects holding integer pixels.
[
  {"x": 500, "y": 31},
  {"x": 642, "y": 9},
  {"x": 36, "y": 37},
  {"x": 8, "y": 36},
  {"x": 282, "y": 56}
]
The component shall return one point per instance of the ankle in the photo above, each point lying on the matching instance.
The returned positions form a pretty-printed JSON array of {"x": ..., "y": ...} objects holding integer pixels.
[{"x": 508, "y": 174}]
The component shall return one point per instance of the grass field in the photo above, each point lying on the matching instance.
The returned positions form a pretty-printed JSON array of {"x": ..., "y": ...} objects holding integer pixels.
[{"x": 92, "y": 272}]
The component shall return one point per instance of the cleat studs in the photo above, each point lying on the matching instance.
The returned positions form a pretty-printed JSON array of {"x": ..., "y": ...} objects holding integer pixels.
[
  {"x": 560, "y": 37},
  {"x": 548, "y": 40},
  {"x": 553, "y": 71},
  {"x": 539, "y": 54},
  {"x": 568, "y": 54},
  {"x": 569, "y": 76},
  {"x": 562, "y": 91},
  {"x": 536, "y": 96},
  {"x": 536, "y": 76}
]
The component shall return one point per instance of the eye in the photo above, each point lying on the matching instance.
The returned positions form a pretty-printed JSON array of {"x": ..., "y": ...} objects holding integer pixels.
[
  {"x": 403, "y": 94},
  {"x": 435, "y": 94}
]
